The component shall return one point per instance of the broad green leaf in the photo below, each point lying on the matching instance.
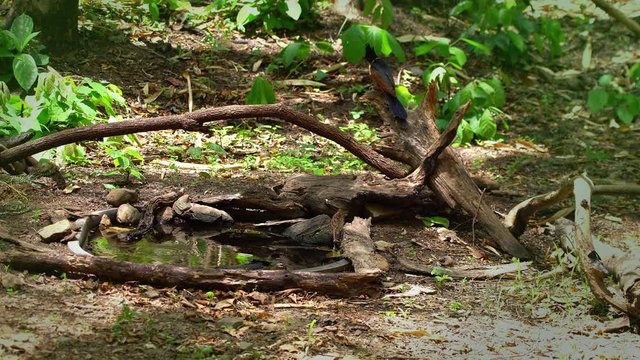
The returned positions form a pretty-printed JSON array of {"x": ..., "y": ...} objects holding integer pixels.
[
  {"x": 458, "y": 55},
  {"x": 464, "y": 134},
  {"x": 516, "y": 40},
  {"x": 294, "y": 9},
  {"x": 368, "y": 7},
  {"x": 406, "y": 98},
  {"x": 25, "y": 70},
  {"x": 294, "y": 52},
  {"x": 624, "y": 115},
  {"x": 261, "y": 92},
  {"x": 634, "y": 72},
  {"x": 426, "y": 47},
  {"x": 22, "y": 28},
  {"x": 384, "y": 43},
  {"x": 484, "y": 126},
  {"x": 246, "y": 14},
  {"x": 597, "y": 100},
  {"x": 605, "y": 79},
  {"x": 435, "y": 220},
  {"x": 483, "y": 49},
  {"x": 325, "y": 47},
  {"x": 386, "y": 17},
  {"x": 499, "y": 97},
  {"x": 354, "y": 43},
  {"x": 154, "y": 11}
]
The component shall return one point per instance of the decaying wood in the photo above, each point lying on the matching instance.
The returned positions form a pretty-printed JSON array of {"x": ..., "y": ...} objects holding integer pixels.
[
  {"x": 260, "y": 204},
  {"x": 195, "y": 122},
  {"x": 624, "y": 265},
  {"x": 146, "y": 222},
  {"x": 450, "y": 181},
  {"x": 358, "y": 247},
  {"x": 5, "y": 236},
  {"x": 516, "y": 220},
  {"x": 338, "y": 284},
  {"x": 582, "y": 189},
  {"x": 482, "y": 273},
  {"x": 619, "y": 16},
  {"x": 518, "y": 217}
]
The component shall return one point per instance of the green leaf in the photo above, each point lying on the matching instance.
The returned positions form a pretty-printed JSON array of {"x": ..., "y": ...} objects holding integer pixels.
[
  {"x": 458, "y": 55},
  {"x": 597, "y": 100},
  {"x": 498, "y": 97},
  {"x": 261, "y": 92},
  {"x": 464, "y": 134},
  {"x": 435, "y": 220},
  {"x": 605, "y": 79},
  {"x": 426, "y": 47},
  {"x": 386, "y": 17},
  {"x": 404, "y": 95},
  {"x": 624, "y": 115},
  {"x": 516, "y": 40},
  {"x": 481, "y": 48},
  {"x": 22, "y": 28},
  {"x": 25, "y": 70},
  {"x": 325, "y": 47},
  {"x": 485, "y": 126},
  {"x": 461, "y": 7},
  {"x": 246, "y": 14},
  {"x": 154, "y": 11},
  {"x": 354, "y": 43},
  {"x": 368, "y": 7},
  {"x": 293, "y": 52},
  {"x": 294, "y": 9}
]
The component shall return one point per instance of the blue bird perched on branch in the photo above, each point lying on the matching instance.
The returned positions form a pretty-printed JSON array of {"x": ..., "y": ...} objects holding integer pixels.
[{"x": 382, "y": 77}]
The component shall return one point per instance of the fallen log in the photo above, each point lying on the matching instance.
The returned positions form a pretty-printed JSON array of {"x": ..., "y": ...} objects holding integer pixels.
[{"x": 332, "y": 284}]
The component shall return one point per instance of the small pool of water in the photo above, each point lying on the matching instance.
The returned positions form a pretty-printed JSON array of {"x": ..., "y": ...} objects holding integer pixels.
[{"x": 229, "y": 248}]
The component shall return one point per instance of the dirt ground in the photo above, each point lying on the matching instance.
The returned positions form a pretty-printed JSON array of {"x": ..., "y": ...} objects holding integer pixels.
[{"x": 551, "y": 138}]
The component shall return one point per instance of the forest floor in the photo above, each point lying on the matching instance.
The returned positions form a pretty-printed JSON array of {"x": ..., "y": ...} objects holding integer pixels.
[{"x": 551, "y": 138}]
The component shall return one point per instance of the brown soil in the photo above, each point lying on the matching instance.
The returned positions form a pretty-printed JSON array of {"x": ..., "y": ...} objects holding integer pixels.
[{"x": 71, "y": 318}]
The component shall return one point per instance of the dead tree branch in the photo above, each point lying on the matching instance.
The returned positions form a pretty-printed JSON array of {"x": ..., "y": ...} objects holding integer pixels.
[
  {"x": 619, "y": 16},
  {"x": 338, "y": 284},
  {"x": 195, "y": 122}
]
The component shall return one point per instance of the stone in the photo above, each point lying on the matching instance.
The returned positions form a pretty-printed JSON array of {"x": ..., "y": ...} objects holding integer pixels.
[
  {"x": 58, "y": 215},
  {"x": 105, "y": 222},
  {"x": 230, "y": 322},
  {"x": 127, "y": 214},
  {"x": 10, "y": 281},
  {"x": 207, "y": 214},
  {"x": 382, "y": 245},
  {"x": 181, "y": 205},
  {"x": 166, "y": 215},
  {"x": 55, "y": 231},
  {"x": 117, "y": 197}
]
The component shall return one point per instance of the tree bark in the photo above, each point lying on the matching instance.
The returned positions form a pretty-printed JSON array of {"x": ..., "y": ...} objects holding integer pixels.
[{"x": 57, "y": 21}]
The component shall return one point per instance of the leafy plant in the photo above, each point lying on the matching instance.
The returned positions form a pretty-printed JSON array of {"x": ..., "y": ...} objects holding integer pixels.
[
  {"x": 15, "y": 48},
  {"x": 358, "y": 36},
  {"x": 487, "y": 97},
  {"x": 503, "y": 27},
  {"x": 58, "y": 103},
  {"x": 614, "y": 95},
  {"x": 272, "y": 14},
  {"x": 124, "y": 158},
  {"x": 155, "y": 7}
]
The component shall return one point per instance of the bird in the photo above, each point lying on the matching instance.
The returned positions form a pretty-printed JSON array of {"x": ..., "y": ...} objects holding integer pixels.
[{"x": 382, "y": 77}]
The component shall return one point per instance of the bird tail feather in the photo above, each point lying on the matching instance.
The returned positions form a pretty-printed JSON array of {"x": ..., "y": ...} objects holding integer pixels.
[{"x": 398, "y": 111}]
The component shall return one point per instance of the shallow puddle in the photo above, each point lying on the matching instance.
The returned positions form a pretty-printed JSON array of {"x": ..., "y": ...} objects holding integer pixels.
[{"x": 228, "y": 248}]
